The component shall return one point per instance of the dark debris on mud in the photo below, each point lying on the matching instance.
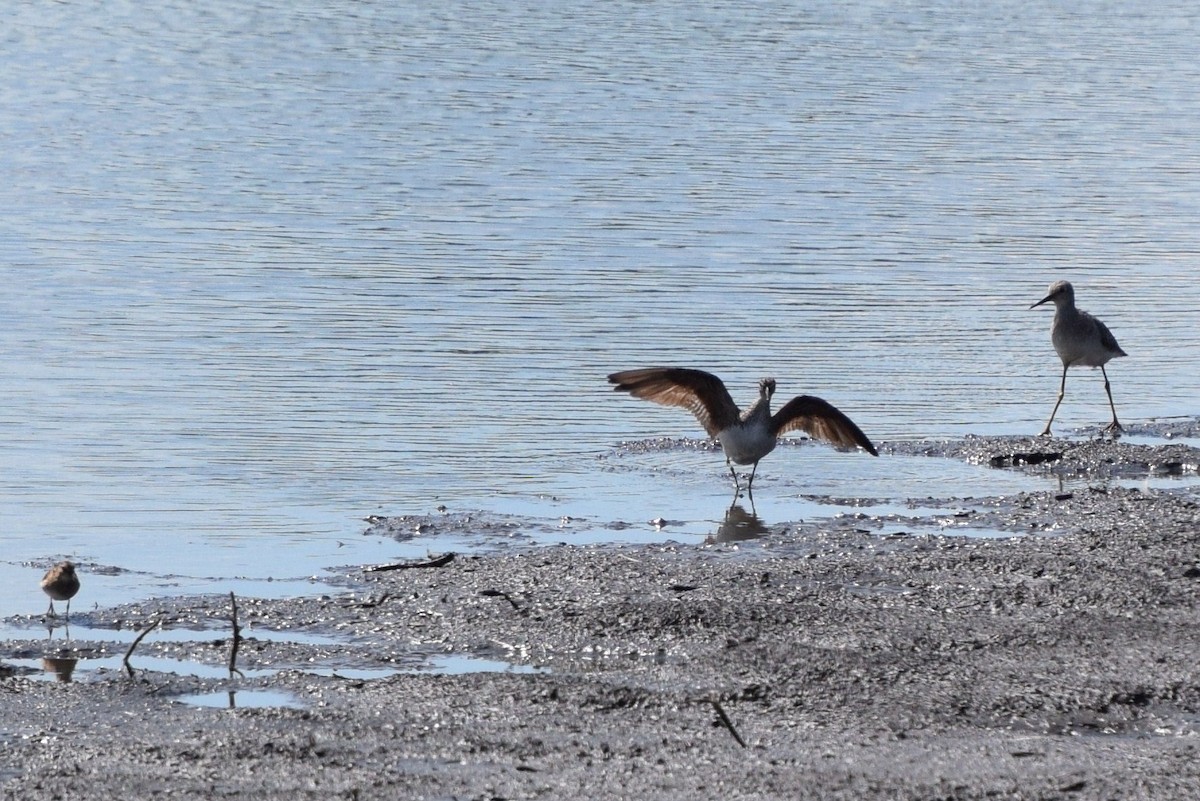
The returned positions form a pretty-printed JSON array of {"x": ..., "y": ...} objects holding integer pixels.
[
  {"x": 869, "y": 663},
  {"x": 1100, "y": 457}
]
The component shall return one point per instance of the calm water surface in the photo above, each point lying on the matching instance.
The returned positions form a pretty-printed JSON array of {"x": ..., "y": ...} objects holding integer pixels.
[{"x": 273, "y": 267}]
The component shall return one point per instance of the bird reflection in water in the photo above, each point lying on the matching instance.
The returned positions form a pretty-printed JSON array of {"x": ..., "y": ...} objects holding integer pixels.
[
  {"x": 738, "y": 525},
  {"x": 57, "y": 623},
  {"x": 61, "y": 666}
]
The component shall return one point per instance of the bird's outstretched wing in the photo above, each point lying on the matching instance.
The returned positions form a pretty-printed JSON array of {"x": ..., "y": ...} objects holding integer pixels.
[
  {"x": 701, "y": 393},
  {"x": 820, "y": 420}
]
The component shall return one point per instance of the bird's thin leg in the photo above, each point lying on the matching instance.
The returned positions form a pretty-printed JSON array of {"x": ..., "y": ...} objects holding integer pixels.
[
  {"x": 750, "y": 484},
  {"x": 68, "y": 607},
  {"x": 1062, "y": 390},
  {"x": 50, "y": 612},
  {"x": 1115, "y": 425},
  {"x": 733, "y": 473}
]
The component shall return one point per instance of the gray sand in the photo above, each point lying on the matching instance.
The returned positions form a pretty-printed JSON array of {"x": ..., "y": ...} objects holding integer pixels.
[{"x": 859, "y": 658}]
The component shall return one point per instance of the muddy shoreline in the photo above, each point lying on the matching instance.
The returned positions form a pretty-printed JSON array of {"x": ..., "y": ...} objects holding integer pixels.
[{"x": 856, "y": 658}]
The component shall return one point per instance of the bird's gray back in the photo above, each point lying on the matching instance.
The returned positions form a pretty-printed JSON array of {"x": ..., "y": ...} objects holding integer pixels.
[{"x": 1081, "y": 339}]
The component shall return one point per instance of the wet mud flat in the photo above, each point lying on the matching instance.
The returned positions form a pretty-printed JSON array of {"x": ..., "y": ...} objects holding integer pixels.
[{"x": 850, "y": 658}]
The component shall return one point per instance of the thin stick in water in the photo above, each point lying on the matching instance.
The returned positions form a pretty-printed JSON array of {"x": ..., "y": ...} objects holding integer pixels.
[
  {"x": 128, "y": 667},
  {"x": 441, "y": 561},
  {"x": 237, "y": 639}
]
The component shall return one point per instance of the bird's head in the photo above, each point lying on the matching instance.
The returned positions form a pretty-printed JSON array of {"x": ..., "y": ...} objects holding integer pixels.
[
  {"x": 766, "y": 388},
  {"x": 1059, "y": 292}
]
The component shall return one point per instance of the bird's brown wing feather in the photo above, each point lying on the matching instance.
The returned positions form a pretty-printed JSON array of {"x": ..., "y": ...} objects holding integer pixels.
[
  {"x": 701, "y": 393},
  {"x": 820, "y": 420}
]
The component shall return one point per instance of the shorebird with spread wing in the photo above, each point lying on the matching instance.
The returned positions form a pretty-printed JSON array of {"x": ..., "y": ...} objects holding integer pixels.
[{"x": 746, "y": 437}]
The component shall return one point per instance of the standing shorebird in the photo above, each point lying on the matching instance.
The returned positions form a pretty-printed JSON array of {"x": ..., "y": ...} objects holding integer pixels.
[
  {"x": 746, "y": 437},
  {"x": 61, "y": 584},
  {"x": 1080, "y": 339}
]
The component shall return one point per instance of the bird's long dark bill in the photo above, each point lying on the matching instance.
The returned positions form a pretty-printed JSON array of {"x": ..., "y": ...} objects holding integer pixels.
[{"x": 1040, "y": 302}]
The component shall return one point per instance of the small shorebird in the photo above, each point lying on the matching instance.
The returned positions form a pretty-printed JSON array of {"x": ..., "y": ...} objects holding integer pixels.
[
  {"x": 746, "y": 437},
  {"x": 61, "y": 584},
  {"x": 1080, "y": 339}
]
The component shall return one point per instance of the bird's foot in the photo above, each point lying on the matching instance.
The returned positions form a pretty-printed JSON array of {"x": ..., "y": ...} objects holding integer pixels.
[
  {"x": 1046, "y": 432},
  {"x": 1115, "y": 428}
]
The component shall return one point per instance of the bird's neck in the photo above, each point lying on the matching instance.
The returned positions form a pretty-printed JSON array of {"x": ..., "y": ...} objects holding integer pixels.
[
  {"x": 760, "y": 412},
  {"x": 1066, "y": 310}
]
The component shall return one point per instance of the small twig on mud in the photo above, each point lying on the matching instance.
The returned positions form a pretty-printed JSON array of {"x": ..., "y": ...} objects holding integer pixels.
[
  {"x": 237, "y": 639},
  {"x": 728, "y": 723},
  {"x": 441, "y": 561},
  {"x": 500, "y": 594},
  {"x": 128, "y": 667}
]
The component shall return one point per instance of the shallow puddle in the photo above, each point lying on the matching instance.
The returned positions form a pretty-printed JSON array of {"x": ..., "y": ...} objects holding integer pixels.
[
  {"x": 105, "y": 585},
  {"x": 242, "y": 699},
  {"x": 63, "y": 631},
  {"x": 360, "y": 674},
  {"x": 445, "y": 664},
  {"x": 66, "y": 668},
  {"x": 1166, "y": 438},
  {"x": 64, "y": 665}
]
